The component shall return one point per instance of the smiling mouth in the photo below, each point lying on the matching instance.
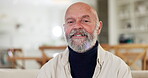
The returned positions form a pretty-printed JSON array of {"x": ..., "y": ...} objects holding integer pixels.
[{"x": 78, "y": 35}]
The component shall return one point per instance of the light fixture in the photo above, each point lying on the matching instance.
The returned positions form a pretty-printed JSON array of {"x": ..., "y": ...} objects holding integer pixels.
[{"x": 57, "y": 31}]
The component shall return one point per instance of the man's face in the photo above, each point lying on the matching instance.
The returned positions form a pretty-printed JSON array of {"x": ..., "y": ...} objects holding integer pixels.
[{"x": 80, "y": 28}]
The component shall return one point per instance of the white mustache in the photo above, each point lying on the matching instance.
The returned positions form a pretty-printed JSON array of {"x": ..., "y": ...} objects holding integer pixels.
[{"x": 82, "y": 31}]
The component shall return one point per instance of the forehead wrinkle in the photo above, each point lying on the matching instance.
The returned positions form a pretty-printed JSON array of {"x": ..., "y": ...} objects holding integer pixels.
[
  {"x": 81, "y": 7},
  {"x": 85, "y": 16},
  {"x": 70, "y": 18}
]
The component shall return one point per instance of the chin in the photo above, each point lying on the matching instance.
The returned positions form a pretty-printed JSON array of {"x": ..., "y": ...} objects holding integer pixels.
[{"x": 81, "y": 47}]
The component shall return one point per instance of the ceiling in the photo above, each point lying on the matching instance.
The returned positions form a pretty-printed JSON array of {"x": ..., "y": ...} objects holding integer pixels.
[
  {"x": 40, "y": 2},
  {"x": 33, "y": 2}
]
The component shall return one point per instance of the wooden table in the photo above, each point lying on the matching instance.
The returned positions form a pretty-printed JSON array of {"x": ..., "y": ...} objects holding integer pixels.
[
  {"x": 14, "y": 59},
  {"x": 129, "y": 52},
  {"x": 44, "y": 54}
]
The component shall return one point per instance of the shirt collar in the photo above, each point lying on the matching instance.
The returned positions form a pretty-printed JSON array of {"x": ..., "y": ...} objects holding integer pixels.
[{"x": 100, "y": 56}]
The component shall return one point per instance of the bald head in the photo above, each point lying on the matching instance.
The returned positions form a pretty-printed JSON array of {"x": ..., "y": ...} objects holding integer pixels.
[
  {"x": 81, "y": 8},
  {"x": 82, "y": 26}
]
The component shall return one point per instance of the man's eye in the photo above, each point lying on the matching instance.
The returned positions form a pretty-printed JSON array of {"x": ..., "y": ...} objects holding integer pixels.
[
  {"x": 70, "y": 21},
  {"x": 85, "y": 21}
]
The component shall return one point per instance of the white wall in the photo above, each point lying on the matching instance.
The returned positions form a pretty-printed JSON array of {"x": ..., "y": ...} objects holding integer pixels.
[
  {"x": 113, "y": 30},
  {"x": 37, "y": 18},
  {"x": 36, "y": 24},
  {"x": 35, "y": 28}
]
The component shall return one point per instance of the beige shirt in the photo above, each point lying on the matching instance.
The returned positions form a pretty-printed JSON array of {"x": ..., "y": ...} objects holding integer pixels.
[{"x": 108, "y": 66}]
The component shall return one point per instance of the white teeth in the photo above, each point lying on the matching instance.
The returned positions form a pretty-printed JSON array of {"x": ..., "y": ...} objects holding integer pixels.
[{"x": 78, "y": 35}]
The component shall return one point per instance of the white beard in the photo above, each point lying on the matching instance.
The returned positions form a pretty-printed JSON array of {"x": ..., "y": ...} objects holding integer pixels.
[{"x": 86, "y": 43}]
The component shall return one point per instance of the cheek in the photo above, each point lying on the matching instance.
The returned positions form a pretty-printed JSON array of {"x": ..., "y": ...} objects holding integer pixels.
[
  {"x": 90, "y": 29},
  {"x": 67, "y": 30}
]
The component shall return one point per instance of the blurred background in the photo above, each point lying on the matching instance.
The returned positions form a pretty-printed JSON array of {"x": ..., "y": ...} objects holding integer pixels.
[{"x": 26, "y": 26}]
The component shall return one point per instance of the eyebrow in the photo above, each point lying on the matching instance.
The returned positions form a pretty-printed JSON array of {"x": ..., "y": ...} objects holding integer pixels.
[
  {"x": 85, "y": 16},
  {"x": 69, "y": 19}
]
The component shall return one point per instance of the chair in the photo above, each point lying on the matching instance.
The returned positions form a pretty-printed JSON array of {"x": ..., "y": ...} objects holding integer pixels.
[
  {"x": 145, "y": 60},
  {"x": 16, "y": 54},
  {"x": 106, "y": 47},
  {"x": 12, "y": 53},
  {"x": 43, "y": 49},
  {"x": 131, "y": 54}
]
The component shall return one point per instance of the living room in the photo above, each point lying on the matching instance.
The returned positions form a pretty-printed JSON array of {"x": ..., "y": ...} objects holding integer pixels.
[{"x": 32, "y": 33}]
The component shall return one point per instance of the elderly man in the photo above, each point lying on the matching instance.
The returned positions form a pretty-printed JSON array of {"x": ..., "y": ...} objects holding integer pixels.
[{"x": 84, "y": 57}]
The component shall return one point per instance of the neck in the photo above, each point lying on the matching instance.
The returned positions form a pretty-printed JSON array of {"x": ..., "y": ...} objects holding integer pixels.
[
  {"x": 87, "y": 51},
  {"x": 83, "y": 64}
]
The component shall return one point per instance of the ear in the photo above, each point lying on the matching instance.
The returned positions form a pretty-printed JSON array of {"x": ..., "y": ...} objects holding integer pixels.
[
  {"x": 64, "y": 26},
  {"x": 100, "y": 27}
]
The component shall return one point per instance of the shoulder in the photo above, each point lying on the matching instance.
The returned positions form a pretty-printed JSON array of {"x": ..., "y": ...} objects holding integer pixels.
[
  {"x": 56, "y": 60},
  {"x": 114, "y": 59},
  {"x": 114, "y": 64},
  {"x": 52, "y": 65},
  {"x": 119, "y": 65},
  {"x": 109, "y": 57},
  {"x": 111, "y": 61}
]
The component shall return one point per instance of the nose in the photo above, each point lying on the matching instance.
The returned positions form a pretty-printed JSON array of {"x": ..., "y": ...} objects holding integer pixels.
[{"x": 78, "y": 25}]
